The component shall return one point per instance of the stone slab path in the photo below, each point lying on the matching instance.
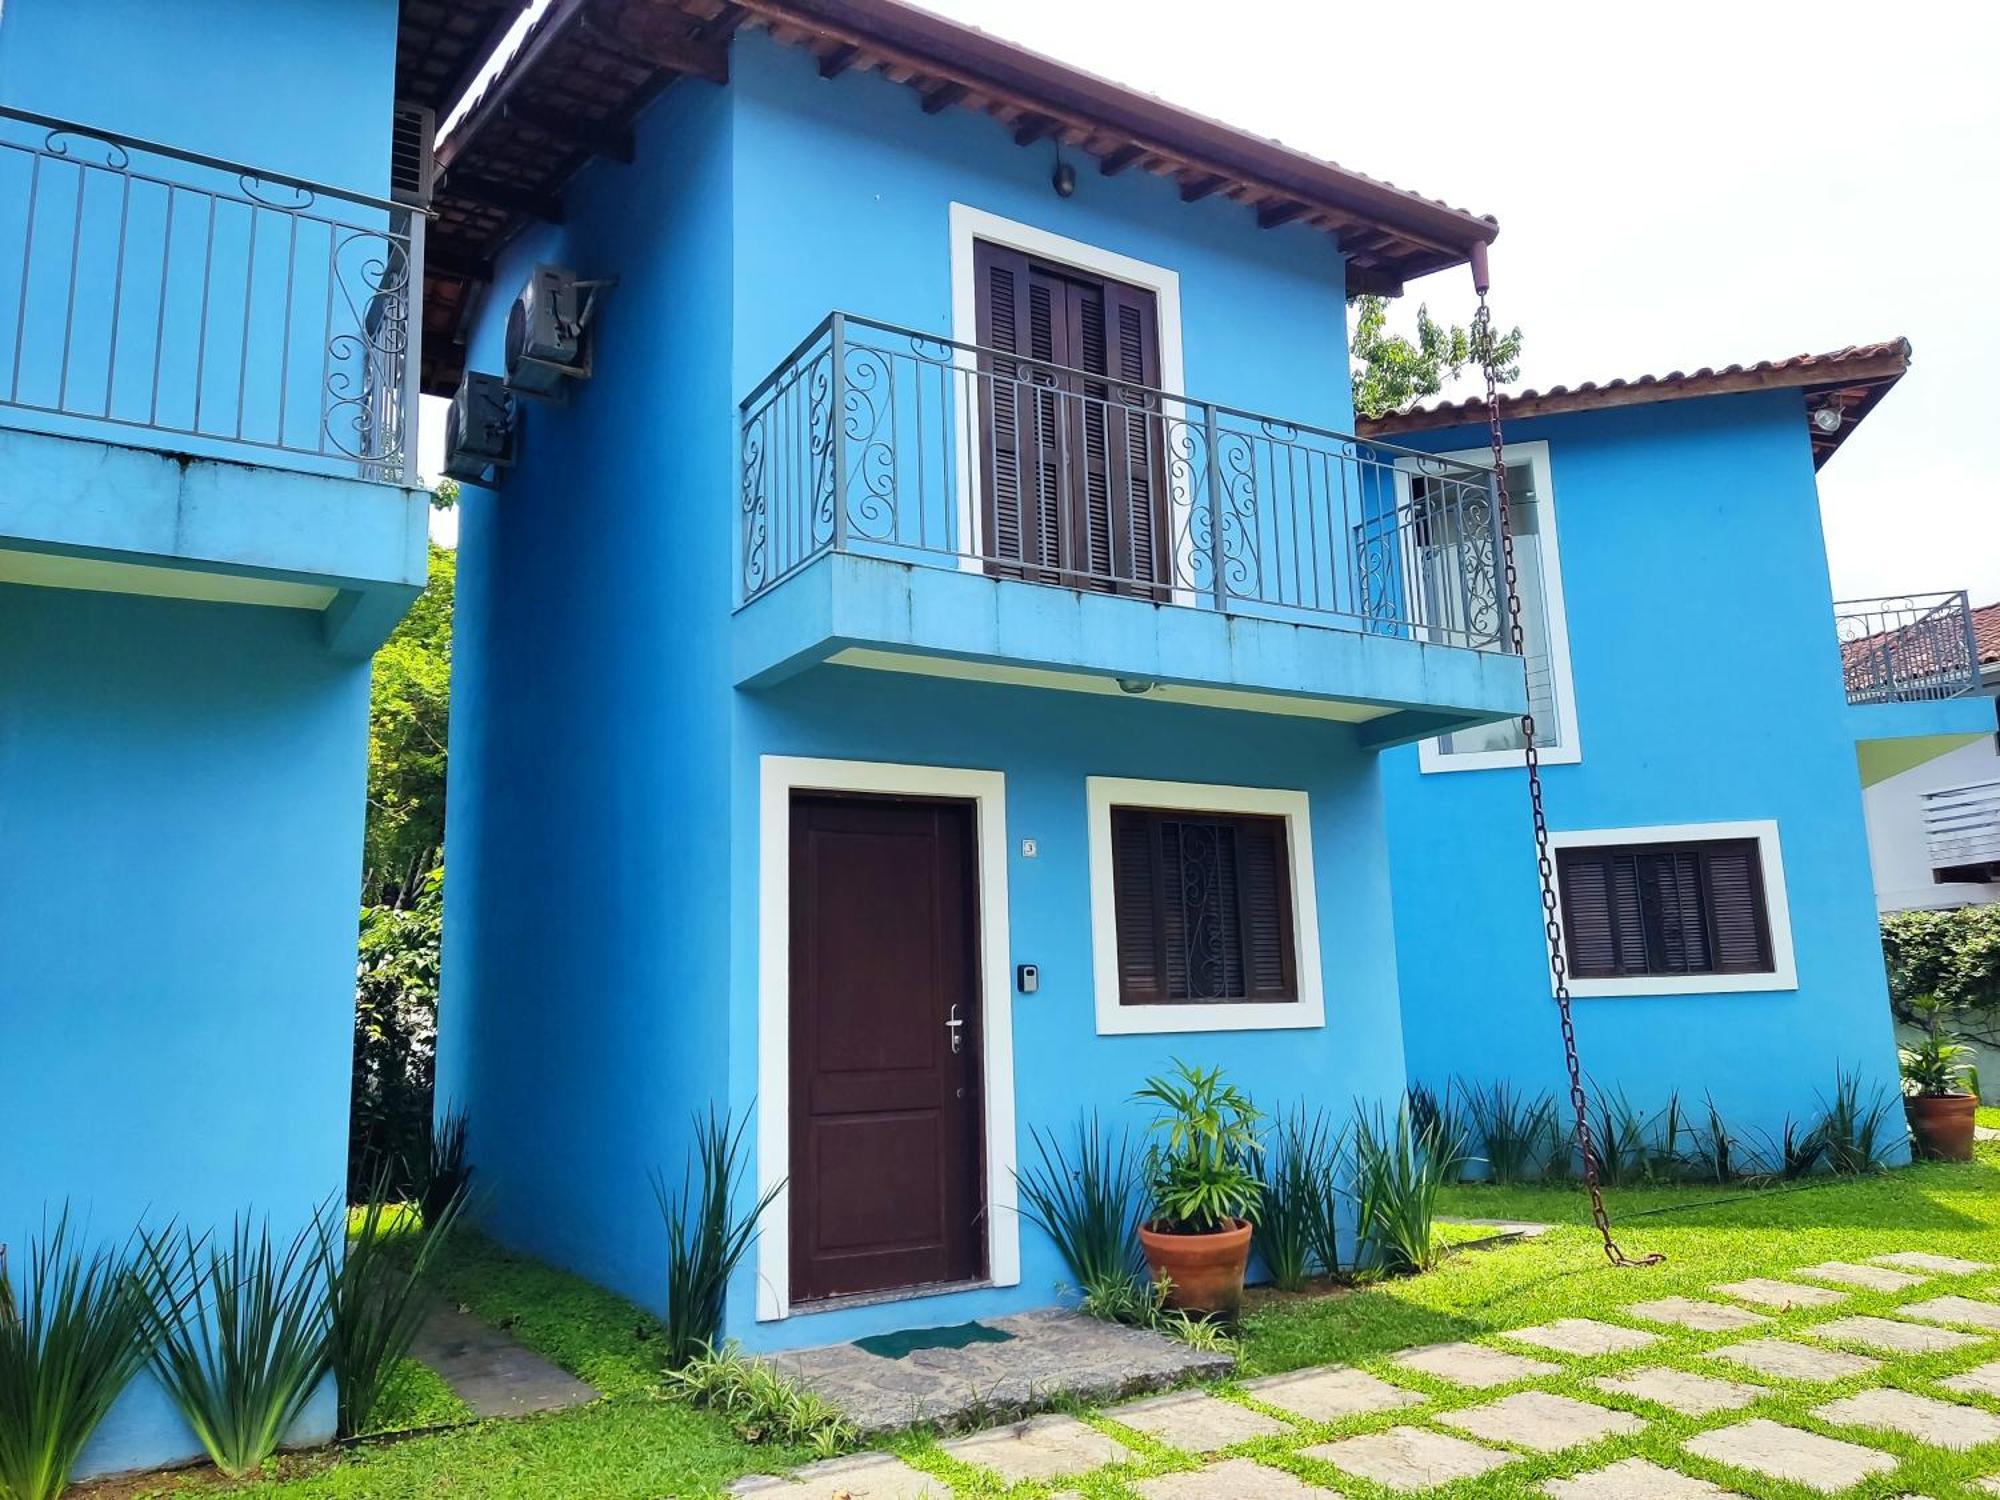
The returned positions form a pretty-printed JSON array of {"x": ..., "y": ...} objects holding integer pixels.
[
  {"x": 491, "y": 1373},
  {"x": 1051, "y": 1357},
  {"x": 1435, "y": 1416}
]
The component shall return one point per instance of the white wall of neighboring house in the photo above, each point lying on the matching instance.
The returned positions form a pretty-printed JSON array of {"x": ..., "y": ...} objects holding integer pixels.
[{"x": 1896, "y": 845}]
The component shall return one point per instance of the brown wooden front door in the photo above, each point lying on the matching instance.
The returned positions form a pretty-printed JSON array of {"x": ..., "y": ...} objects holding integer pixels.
[
  {"x": 1072, "y": 439},
  {"x": 887, "y": 1176}
]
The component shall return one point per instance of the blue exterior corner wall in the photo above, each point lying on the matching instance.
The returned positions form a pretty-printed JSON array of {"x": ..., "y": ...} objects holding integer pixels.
[
  {"x": 1708, "y": 688},
  {"x": 182, "y": 783},
  {"x": 181, "y": 787},
  {"x": 600, "y": 974}
]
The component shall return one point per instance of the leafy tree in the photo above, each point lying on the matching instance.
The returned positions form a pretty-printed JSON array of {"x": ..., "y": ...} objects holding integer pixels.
[
  {"x": 395, "y": 1038},
  {"x": 408, "y": 722},
  {"x": 1390, "y": 371}
]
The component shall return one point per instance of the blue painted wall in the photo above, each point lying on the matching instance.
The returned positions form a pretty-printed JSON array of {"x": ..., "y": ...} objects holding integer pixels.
[
  {"x": 600, "y": 974},
  {"x": 180, "y": 804},
  {"x": 1707, "y": 688}
]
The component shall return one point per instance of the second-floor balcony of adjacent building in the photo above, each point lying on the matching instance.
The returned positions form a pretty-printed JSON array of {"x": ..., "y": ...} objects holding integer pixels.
[
  {"x": 206, "y": 366},
  {"x": 916, "y": 503},
  {"x": 1910, "y": 664}
]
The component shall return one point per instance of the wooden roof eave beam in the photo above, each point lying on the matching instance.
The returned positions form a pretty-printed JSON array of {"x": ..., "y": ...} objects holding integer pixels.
[
  {"x": 780, "y": 13},
  {"x": 615, "y": 145}
]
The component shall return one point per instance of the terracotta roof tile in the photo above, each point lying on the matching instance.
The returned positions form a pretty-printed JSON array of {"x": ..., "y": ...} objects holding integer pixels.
[
  {"x": 1986, "y": 630},
  {"x": 1855, "y": 378}
]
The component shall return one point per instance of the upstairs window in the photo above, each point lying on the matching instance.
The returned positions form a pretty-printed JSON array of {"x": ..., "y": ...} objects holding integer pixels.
[
  {"x": 1544, "y": 627},
  {"x": 1204, "y": 908},
  {"x": 1696, "y": 907}
]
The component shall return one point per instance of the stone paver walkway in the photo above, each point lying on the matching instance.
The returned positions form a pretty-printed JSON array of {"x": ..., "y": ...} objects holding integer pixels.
[
  {"x": 1432, "y": 1416},
  {"x": 489, "y": 1371},
  {"x": 1790, "y": 1453}
]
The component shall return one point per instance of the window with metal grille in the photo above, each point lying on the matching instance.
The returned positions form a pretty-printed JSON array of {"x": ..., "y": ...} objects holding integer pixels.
[
  {"x": 1204, "y": 908},
  {"x": 1683, "y": 908}
]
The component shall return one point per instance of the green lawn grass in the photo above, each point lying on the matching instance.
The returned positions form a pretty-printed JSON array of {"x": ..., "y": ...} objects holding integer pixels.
[{"x": 639, "y": 1444}]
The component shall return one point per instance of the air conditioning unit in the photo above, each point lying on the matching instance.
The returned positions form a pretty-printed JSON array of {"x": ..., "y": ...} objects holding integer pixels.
[
  {"x": 412, "y": 160},
  {"x": 547, "y": 332},
  {"x": 479, "y": 430}
]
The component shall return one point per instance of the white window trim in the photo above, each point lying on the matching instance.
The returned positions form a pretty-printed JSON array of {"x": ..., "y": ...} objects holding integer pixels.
[
  {"x": 780, "y": 776},
  {"x": 1784, "y": 973},
  {"x": 1102, "y": 793},
  {"x": 1431, "y": 755},
  {"x": 970, "y": 225}
]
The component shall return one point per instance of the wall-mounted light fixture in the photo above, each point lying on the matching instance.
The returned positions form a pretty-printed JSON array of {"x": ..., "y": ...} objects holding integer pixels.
[
  {"x": 1063, "y": 179},
  {"x": 1136, "y": 685},
  {"x": 1828, "y": 418}
]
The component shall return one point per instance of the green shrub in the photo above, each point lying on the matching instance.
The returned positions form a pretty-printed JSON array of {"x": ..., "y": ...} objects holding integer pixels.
[
  {"x": 706, "y": 1237},
  {"x": 760, "y": 1403},
  {"x": 1298, "y": 1228},
  {"x": 1088, "y": 1202},
  {"x": 1954, "y": 955},
  {"x": 1400, "y": 1168},
  {"x": 395, "y": 1040},
  {"x": 443, "y": 1177},
  {"x": 1855, "y": 1131},
  {"x": 377, "y": 1299},
  {"x": 68, "y": 1345},
  {"x": 1517, "y": 1133},
  {"x": 239, "y": 1333}
]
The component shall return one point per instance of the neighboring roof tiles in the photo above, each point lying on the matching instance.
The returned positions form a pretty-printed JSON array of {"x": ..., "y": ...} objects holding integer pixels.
[
  {"x": 588, "y": 67},
  {"x": 440, "y": 45},
  {"x": 1986, "y": 632},
  {"x": 1854, "y": 379}
]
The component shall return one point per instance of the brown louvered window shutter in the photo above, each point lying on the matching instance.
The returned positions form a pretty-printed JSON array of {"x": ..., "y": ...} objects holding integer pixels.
[
  {"x": 1203, "y": 906},
  {"x": 1665, "y": 909},
  {"x": 1073, "y": 444}
]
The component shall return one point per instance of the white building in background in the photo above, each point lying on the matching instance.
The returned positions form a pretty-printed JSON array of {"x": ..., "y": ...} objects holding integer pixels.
[{"x": 1933, "y": 805}]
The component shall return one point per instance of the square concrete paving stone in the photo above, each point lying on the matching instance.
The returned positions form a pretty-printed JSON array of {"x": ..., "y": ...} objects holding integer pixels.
[
  {"x": 1327, "y": 1395},
  {"x": 1582, "y": 1336},
  {"x": 1237, "y": 1479},
  {"x": 1981, "y": 1380},
  {"x": 1474, "y": 1365},
  {"x": 1991, "y": 1484},
  {"x": 1691, "y": 1395},
  {"x": 1966, "y": 1310},
  {"x": 1633, "y": 1479},
  {"x": 1044, "y": 1448},
  {"x": 1789, "y": 1361},
  {"x": 868, "y": 1476},
  {"x": 1942, "y": 1424},
  {"x": 1691, "y": 1312},
  {"x": 1780, "y": 1452},
  {"x": 1892, "y": 1337},
  {"x": 1766, "y": 1292},
  {"x": 1409, "y": 1458},
  {"x": 1867, "y": 1278},
  {"x": 1541, "y": 1421},
  {"x": 1937, "y": 1265},
  {"x": 1195, "y": 1421}
]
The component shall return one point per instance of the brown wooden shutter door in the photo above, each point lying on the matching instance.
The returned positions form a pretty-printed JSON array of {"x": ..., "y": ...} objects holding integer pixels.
[{"x": 1020, "y": 442}]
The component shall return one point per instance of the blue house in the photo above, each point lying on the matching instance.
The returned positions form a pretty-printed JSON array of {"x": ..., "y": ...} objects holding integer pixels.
[
  {"x": 208, "y": 520},
  {"x": 937, "y": 667},
  {"x": 1707, "y": 714}
]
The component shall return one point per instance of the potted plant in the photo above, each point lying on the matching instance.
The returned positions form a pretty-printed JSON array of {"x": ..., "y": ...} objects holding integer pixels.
[
  {"x": 1940, "y": 1085},
  {"x": 1203, "y": 1186}
]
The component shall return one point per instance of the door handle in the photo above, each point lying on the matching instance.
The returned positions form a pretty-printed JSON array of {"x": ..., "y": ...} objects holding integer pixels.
[{"x": 954, "y": 1026}]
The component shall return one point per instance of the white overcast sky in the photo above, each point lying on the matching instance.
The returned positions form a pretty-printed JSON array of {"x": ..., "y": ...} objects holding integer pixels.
[{"x": 1676, "y": 186}]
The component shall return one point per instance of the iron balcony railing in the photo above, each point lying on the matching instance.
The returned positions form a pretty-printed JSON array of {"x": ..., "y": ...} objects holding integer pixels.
[
  {"x": 887, "y": 441},
  {"x": 1907, "y": 649},
  {"x": 151, "y": 288},
  {"x": 1962, "y": 826}
]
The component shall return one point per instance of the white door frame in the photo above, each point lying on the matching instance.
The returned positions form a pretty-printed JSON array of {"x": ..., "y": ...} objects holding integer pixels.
[{"x": 780, "y": 776}]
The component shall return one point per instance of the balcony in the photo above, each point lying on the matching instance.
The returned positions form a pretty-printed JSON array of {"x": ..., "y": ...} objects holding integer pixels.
[
  {"x": 907, "y": 501},
  {"x": 205, "y": 368},
  {"x": 1910, "y": 664},
  {"x": 1962, "y": 831}
]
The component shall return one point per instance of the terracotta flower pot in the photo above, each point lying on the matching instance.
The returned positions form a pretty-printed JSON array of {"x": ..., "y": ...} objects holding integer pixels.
[
  {"x": 1942, "y": 1125},
  {"x": 1206, "y": 1270}
]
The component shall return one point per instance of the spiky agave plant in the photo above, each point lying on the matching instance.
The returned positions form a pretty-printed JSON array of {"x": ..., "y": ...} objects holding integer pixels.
[
  {"x": 444, "y": 1177},
  {"x": 706, "y": 1237},
  {"x": 239, "y": 1329},
  {"x": 70, "y": 1341},
  {"x": 1400, "y": 1167},
  {"x": 1299, "y": 1226},
  {"x": 377, "y": 1280},
  {"x": 1088, "y": 1200},
  {"x": 1513, "y": 1129}
]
